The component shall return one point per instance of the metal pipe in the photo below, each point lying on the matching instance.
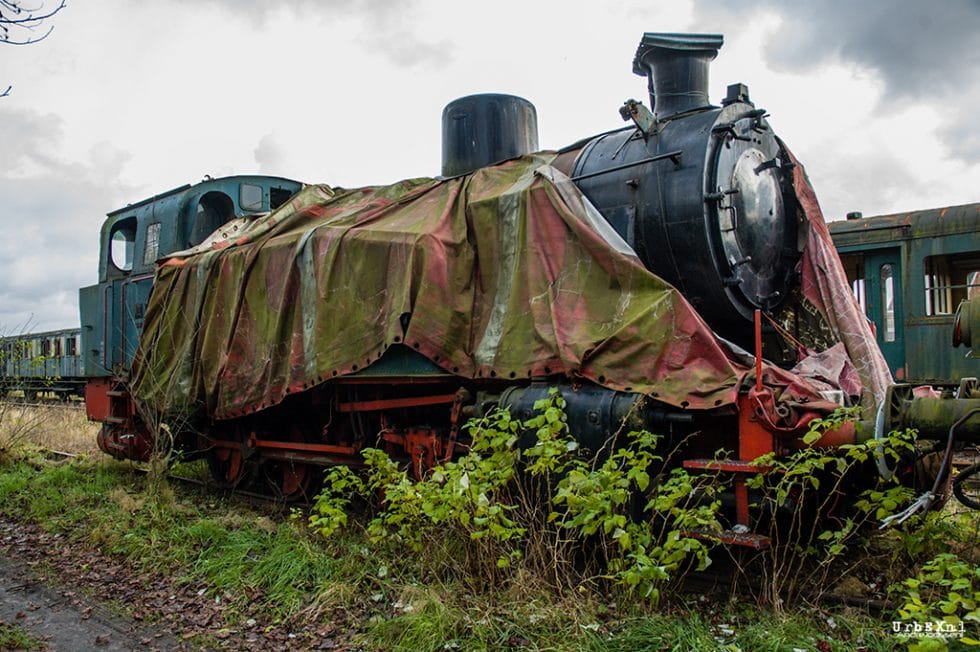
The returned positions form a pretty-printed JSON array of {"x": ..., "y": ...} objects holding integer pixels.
[
  {"x": 674, "y": 156},
  {"x": 758, "y": 349}
]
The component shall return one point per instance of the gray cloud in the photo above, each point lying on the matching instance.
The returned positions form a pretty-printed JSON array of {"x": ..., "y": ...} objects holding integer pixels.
[
  {"x": 49, "y": 250},
  {"x": 921, "y": 52},
  {"x": 27, "y": 137},
  {"x": 52, "y": 213},
  {"x": 863, "y": 181},
  {"x": 960, "y": 132},
  {"x": 388, "y": 26},
  {"x": 269, "y": 155}
]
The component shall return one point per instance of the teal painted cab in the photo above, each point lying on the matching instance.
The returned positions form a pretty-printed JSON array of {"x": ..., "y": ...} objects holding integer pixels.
[
  {"x": 910, "y": 272},
  {"x": 135, "y": 237}
]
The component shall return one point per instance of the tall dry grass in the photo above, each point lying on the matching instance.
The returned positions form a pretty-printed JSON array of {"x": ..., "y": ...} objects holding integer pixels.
[{"x": 55, "y": 427}]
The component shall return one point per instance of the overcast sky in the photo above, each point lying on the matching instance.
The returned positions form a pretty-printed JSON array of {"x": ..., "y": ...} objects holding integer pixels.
[{"x": 127, "y": 99}]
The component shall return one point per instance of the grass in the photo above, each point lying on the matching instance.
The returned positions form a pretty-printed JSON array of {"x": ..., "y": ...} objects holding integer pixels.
[
  {"x": 744, "y": 628},
  {"x": 281, "y": 566},
  {"x": 226, "y": 546},
  {"x": 435, "y": 623},
  {"x": 421, "y": 619},
  {"x": 15, "y": 637},
  {"x": 53, "y": 427},
  {"x": 270, "y": 566}
]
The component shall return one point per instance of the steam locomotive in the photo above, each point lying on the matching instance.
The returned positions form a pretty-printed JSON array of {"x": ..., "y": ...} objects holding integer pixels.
[{"x": 674, "y": 274}]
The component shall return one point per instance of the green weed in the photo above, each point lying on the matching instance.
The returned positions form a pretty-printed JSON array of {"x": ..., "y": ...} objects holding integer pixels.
[
  {"x": 421, "y": 621},
  {"x": 15, "y": 637}
]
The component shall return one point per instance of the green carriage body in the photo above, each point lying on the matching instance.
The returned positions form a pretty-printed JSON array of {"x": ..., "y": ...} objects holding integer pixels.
[{"x": 910, "y": 271}]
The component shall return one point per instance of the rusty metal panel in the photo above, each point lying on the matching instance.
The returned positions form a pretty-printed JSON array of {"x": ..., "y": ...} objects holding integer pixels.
[{"x": 97, "y": 401}]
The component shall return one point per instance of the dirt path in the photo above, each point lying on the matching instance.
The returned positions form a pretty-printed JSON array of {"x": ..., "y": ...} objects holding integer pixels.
[
  {"x": 64, "y": 621},
  {"x": 61, "y": 591}
]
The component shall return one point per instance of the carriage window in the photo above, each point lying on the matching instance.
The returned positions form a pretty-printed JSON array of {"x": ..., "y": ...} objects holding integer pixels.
[
  {"x": 250, "y": 197},
  {"x": 949, "y": 280},
  {"x": 45, "y": 347},
  {"x": 122, "y": 245},
  {"x": 71, "y": 345},
  {"x": 152, "y": 248},
  {"x": 854, "y": 268},
  {"x": 888, "y": 303},
  {"x": 57, "y": 347}
]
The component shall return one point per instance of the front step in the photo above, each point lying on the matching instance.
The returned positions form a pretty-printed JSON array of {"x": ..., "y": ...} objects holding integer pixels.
[
  {"x": 731, "y": 466},
  {"x": 741, "y": 535},
  {"x": 732, "y": 538}
]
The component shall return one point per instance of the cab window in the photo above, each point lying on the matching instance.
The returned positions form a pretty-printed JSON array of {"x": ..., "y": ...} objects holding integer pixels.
[
  {"x": 213, "y": 209},
  {"x": 854, "y": 268},
  {"x": 122, "y": 244},
  {"x": 250, "y": 197}
]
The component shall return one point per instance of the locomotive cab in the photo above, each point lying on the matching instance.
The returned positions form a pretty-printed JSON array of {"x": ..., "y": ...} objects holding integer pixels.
[
  {"x": 135, "y": 237},
  {"x": 132, "y": 239}
]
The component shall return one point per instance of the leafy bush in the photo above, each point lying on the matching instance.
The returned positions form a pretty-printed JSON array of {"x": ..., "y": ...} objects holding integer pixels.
[
  {"x": 817, "y": 508},
  {"x": 946, "y": 590},
  {"x": 543, "y": 507}
]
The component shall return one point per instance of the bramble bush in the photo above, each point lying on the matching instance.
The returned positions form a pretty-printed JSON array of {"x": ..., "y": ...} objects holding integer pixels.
[
  {"x": 935, "y": 551},
  {"x": 946, "y": 589}
]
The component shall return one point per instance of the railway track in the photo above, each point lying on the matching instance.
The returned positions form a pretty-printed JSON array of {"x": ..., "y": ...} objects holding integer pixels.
[
  {"x": 961, "y": 460},
  {"x": 43, "y": 403},
  {"x": 206, "y": 485},
  {"x": 966, "y": 457}
]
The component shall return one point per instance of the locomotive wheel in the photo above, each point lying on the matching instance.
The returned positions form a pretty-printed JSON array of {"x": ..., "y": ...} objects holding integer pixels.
[
  {"x": 290, "y": 480},
  {"x": 966, "y": 486},
  {"x": 228, "y": 466}
]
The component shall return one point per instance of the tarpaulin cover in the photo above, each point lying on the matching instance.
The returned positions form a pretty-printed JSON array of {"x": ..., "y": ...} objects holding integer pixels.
[
  {"x": 824, "y": 283},
  {"x": 507, "y": 273}
]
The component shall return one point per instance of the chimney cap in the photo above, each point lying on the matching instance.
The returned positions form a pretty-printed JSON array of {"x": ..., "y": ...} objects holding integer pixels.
[{"x": 674, "y": 41}]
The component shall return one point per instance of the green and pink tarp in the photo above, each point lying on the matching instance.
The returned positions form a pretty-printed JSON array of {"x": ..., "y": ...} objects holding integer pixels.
[{"x": 508, "y": 272}]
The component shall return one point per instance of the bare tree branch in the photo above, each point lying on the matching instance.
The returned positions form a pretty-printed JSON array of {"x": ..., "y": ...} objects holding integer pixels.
[{"x": 15, "y": 16}]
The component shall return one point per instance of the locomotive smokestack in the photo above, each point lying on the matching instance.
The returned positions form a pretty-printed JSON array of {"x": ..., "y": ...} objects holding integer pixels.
[
  {"x": 480, "y": 130},
  {"x": 676, "y": 67}
]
